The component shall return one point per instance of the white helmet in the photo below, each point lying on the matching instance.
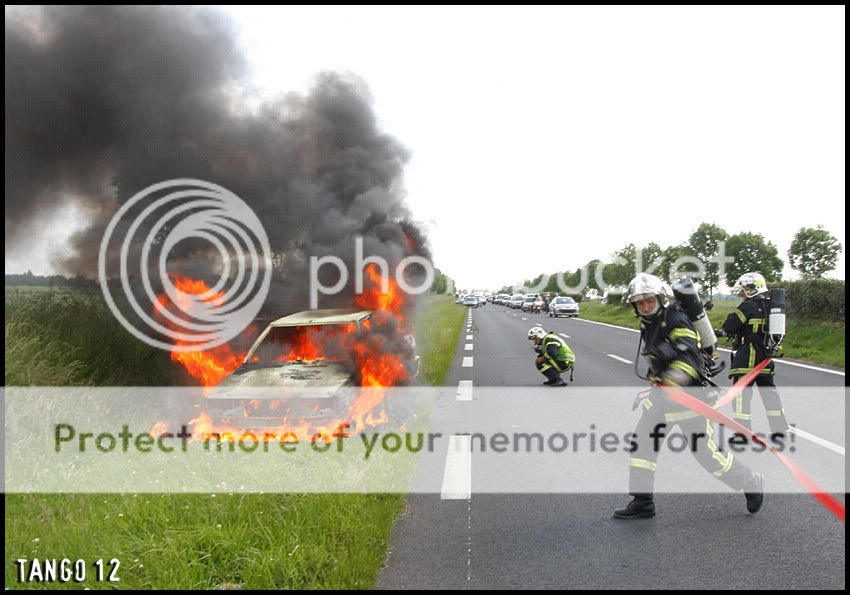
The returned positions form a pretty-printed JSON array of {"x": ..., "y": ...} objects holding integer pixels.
[
  {"x": 645, "y": 285},
  {"x": 536, "y": 332},
  {"x": 752, "y": 284}
]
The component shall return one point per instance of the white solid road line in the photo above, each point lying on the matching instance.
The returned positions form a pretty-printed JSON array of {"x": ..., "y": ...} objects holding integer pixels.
[
  {"x": 467, "y": 362},
  {"x": 464, "y": 390},
  {"x": 620, "y": 359},
  {"x": 631, "y": 330},
  {"x": 564, "y": 336},
  {"x": 468, "y": 347},
  {"x": 808, "y": 367},
  {"x": 778, "y": 361},
  {"x": 457, "y": 475},
  {"x": 817, "y": 440}
]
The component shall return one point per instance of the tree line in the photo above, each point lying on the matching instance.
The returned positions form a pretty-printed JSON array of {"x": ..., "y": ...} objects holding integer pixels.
[{"x": 709, "y": 256}]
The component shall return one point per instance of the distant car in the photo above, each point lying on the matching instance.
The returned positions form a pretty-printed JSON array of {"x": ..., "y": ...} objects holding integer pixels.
[
  {"x": 563, "y": 306},
  {"x": 270, "y": 363},
  {"x": 528, "y": 302},
  {"x": 539, "y": 304},
  {"x": 516, "y": 300},
  {"x": 470, "y": 300}
]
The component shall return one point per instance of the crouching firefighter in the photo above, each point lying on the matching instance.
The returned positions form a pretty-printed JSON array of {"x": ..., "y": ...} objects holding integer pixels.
[
  {"x": 757, "y": 327},
  {"x": 672, "y": 349},
  {"x": 554, "y": 356}
]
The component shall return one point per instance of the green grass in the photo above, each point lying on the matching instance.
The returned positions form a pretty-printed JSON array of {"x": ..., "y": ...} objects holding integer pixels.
[
  {"x": 316, "y": 541},
  {"x": 438, "y": 330},
  {"x": 815, "y": 341},
  {"x": 67, "y": 337},
  {"x": 264, "y": 541}
]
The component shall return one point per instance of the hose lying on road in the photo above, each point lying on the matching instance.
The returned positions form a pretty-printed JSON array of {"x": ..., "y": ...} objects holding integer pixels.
[{"x": 682, "y": 398}]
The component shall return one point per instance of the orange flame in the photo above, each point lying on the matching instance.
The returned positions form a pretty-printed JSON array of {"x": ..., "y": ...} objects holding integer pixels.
[
  {"x": 373, "y": 298},
  {"x": 208, "y": 367},
  {"x": 376, "y": 365}
]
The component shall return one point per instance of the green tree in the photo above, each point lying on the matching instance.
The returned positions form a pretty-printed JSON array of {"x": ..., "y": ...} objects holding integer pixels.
[
  {"x": 704, "y": 243},
  {"x": 751, "y": 252},
  {"x": 814, "y": 252},
  {"x": 590, "y": 274},
  {"x": 442, "y": 284},
  {"x": 676, "y": 262},
  {"x": 622, "y": 270},
  {"x": 534, "y": 282}
]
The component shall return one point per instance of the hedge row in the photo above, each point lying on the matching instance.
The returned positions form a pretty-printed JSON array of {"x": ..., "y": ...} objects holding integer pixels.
[{"x": 818, "y": 299}]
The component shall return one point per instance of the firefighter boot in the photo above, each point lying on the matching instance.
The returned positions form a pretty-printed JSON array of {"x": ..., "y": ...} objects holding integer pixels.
[
  {"x": 754, "y": 492},
  {"x": 641, "y": 507},
  {"x": 552, "y": 377}
]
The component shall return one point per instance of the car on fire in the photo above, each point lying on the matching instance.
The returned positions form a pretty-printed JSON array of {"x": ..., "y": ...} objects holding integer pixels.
[{"x": 307, "y": 355}]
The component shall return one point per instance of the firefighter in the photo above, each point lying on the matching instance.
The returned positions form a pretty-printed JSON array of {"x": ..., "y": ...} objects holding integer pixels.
[
  {"x": 554, "y": 356},
  {"x": 747, "y": 327},
  {"x": 673, "y": 351}
]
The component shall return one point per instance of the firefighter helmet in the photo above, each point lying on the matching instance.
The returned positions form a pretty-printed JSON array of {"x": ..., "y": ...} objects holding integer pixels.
[
  {"x": 536, "y": 332},
  {"x": 752, "y": 284},
  {"x": 645, "y": 286}
]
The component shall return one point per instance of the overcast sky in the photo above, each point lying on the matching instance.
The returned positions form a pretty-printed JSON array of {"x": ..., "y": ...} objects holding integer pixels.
[{"x": 543, "y": 138}]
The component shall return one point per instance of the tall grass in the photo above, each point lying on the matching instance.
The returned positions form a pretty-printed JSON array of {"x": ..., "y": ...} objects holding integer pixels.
[{"x": 67, "y": 337}]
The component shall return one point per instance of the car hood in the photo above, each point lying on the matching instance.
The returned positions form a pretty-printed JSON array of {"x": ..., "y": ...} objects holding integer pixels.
[{"x": 318, "y": 374}]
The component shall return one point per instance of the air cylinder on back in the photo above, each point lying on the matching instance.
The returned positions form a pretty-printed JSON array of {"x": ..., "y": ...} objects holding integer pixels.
[
  {"x": 686, "y": 294},
  {"x": 776, "y": 318}
]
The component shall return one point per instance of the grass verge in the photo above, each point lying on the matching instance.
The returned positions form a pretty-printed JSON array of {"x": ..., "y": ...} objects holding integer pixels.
[
  {"x": 815, "y": 341},
  {"x": 261, "y": 541},
  {"x": 438, "y": 331}
]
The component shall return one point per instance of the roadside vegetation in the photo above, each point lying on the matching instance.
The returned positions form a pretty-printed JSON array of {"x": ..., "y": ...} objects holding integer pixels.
[
  {"x": 67, "y": 337},
  {"x": 815, "y": 341}
]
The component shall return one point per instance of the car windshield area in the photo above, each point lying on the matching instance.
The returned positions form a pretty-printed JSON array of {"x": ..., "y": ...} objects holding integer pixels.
[
  {"x": 331, "y": 342},
  {"x": 565, "y": 300}
]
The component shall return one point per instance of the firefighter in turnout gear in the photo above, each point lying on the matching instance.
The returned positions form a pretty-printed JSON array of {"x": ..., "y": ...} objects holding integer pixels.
[
  {"x": 554, "y": 356},
  {"x": 672, "y": 348},
  {"x": 747, "y": 327}
]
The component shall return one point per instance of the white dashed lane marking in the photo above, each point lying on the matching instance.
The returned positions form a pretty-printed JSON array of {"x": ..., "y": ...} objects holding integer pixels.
[
  {"x": 457, "y": 474},
  {"x": 464, "y": 390}
]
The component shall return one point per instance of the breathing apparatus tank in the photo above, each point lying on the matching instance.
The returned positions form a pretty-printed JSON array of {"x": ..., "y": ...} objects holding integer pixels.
[
  {"x": 687, "y": 296},
  {"x": 776, "y": 320}
]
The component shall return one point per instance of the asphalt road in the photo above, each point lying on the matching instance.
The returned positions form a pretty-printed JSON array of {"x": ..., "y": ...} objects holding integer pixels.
[{"x": 569, "y": 540}]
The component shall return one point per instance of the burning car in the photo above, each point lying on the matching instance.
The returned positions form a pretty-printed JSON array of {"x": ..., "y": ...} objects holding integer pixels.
[{"x": 318, "y": 359}]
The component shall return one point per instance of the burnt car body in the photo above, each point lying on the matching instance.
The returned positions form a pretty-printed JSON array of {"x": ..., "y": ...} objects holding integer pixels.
[{"x": 271, "y": 390}]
